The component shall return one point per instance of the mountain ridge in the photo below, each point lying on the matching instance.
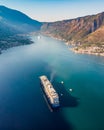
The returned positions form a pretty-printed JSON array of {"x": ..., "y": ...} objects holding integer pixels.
[
  {"x": 77, "y": 31},
  {"x": 80, "y": 32},
  {"x": 68, "y": 28},
  {"x": 18, "y": 20},
  {"x": 12, "y": 23}
]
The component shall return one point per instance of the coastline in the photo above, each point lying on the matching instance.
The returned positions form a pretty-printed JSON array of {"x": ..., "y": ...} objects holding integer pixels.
[
  {"x": 86, "y": 51},
  {"x": 20, "y": 41},
  {"x": 89, "y": 50}
]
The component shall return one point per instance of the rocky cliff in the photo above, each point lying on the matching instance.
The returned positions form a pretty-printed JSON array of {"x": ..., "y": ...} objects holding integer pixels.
[{"x": 74, "y": 30}]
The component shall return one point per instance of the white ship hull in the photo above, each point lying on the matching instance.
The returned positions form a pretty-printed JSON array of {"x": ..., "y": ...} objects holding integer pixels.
[{"x": 50, "y": 92}]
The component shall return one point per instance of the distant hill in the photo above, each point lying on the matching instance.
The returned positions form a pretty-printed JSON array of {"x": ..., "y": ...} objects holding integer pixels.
[
  {"x": 76, "y": 30},
  {"x": 17, "y": 20},
  {"x": 82, "y": 31},
  {"x": 12, "y": 23}
]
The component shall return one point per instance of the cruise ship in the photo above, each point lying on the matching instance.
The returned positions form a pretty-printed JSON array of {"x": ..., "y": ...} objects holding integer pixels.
[{"x": 50, "y": 92}]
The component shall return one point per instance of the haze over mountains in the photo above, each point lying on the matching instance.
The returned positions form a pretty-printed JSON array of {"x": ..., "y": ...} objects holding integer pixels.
[
  {"x": 12, "y": 23},
  {"x": 85, "y": 31},
  {"x": 17, "y": 20}
]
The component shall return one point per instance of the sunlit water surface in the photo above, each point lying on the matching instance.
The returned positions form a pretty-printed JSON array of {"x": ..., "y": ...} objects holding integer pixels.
[{"x": 22, "y": 102}]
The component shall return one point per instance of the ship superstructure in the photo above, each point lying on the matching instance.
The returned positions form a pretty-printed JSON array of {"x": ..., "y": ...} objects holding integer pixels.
[{"x": 50, "y": 92}]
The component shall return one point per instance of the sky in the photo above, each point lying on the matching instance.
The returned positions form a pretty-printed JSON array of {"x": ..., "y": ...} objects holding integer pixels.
[{"x": 55, "y": 10}]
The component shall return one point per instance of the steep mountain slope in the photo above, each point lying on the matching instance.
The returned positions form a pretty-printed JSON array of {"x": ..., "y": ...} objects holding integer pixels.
[
  {"x": 9, "y": 37},
  {"x": 93, "y": 43},
  {"x": 97, "y": 37},
  {"x": 17, "y": 20},
  {"x": 83, "y": 32},
  {"x": 74, "y": 30},
  {"x": 12, "y": 23}
]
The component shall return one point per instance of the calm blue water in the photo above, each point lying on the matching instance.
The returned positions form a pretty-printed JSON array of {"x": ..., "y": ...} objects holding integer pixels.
[{"x": 22, "y": 103}]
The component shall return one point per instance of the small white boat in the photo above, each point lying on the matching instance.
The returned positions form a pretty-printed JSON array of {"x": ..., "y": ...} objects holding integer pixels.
[
  {"x": 62, "y": 82},
  {"x": 61, "y": 94},
  {"x": 70, "y": 89}
]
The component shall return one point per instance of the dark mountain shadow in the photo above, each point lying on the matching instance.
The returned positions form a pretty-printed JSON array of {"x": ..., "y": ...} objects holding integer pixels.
[
  {"x": 56, "y": 120},
  {"x": 66, "y": 99}
]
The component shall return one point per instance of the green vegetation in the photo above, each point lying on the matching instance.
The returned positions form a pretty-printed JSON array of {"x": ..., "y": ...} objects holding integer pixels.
[
  {"x": 12, "y": 23},
  {"x": 11, "y": 41}
]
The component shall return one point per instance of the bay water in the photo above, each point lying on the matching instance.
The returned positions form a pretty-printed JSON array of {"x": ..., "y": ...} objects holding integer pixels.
[{"x": 22, "y": 102}]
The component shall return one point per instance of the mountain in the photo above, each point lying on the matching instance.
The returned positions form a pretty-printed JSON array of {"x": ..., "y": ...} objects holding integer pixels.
[
  {"x": 17, "y": 20},
  {"x": 96, "y": 37},
  {"x": 83, "y": 32},
  {"x": 12, "y": 24},
  {"x": 74, "y": 30}
]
